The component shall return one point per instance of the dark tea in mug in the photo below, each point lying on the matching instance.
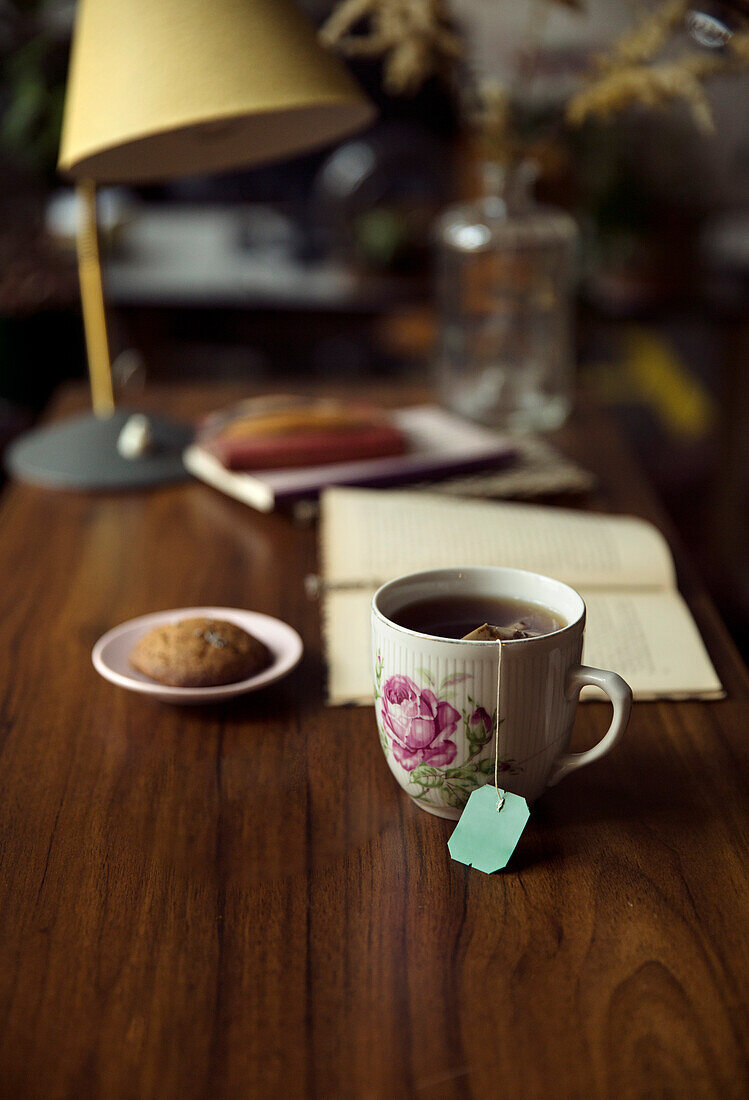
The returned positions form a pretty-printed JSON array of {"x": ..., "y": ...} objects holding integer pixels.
[{"x": 457, "y": 616}]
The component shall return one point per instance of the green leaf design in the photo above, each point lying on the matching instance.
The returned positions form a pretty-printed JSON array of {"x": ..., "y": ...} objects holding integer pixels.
[
  {"x": 432, "y": 781},
  {"x": 453, "y": 681},
  {"x": 427, "y": 776},
  {"x": 478, "y": 737},
  {"x": 425, "y": 676},
  {"x": 421, "y": 795},
  {"x": 462, "y": 772},
  {"x": 476, "y": 747}
]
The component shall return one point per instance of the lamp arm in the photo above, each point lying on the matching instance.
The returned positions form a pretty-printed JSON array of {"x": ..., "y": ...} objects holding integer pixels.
[{"x": 92, "y": 301}]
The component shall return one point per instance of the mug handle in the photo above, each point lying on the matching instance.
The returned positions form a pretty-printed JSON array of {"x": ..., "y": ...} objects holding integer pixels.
[{"x": 620, "y": 694}]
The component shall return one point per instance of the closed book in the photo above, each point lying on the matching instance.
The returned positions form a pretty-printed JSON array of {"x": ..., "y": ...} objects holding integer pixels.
[{"x": 440, "y": 444}]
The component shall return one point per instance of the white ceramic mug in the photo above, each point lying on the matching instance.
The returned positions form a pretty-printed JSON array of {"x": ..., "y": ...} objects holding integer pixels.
[{"x": 436, "y": 699}]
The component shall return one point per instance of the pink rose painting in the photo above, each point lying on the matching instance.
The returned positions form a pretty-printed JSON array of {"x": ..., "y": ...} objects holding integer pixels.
[
  {"x": 481, "y": 717},
  {"x": 418, "y": 725}
]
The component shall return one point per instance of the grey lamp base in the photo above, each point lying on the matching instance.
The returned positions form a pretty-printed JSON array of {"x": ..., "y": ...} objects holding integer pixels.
[{"x": 81, "y": 453}]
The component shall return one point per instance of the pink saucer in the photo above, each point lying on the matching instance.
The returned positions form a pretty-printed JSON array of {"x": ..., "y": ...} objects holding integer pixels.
[{"x": 110, "y": 654}]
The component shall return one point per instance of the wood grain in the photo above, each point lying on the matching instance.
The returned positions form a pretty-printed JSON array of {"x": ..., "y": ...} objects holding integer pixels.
[{"x": 239, "y": 901}]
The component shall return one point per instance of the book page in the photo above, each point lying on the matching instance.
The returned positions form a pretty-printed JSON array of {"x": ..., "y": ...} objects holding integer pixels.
[
  {"x": 347, "y": 640},
  {"x": 373, "y": 536},
  {"x": 649, "y": 638}
]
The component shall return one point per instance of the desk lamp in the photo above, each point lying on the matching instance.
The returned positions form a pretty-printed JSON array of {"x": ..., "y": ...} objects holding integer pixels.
[{"x": 159, "y": 89}]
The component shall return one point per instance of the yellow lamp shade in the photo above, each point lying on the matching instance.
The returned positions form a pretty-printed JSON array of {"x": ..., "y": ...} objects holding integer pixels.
[{"x": 163, "y": 88}]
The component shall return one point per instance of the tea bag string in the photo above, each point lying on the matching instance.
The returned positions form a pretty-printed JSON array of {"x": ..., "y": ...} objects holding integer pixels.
[
  {"x": 500, "y": 796},
  {"x": 544, "y": 748}
]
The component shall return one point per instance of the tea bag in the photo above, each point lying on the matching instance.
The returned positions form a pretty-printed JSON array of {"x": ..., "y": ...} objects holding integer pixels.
[{"x": 511, "y": 633}]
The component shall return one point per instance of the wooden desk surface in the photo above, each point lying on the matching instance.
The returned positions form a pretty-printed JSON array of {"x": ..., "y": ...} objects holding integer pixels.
[{"x": 239, "y": 901}]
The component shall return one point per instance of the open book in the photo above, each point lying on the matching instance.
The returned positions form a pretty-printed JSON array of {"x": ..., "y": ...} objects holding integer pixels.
[{"x": 638, "y": 624}]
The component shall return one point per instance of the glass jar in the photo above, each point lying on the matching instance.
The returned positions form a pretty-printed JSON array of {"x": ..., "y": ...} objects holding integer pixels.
[{"x": 504, "y": 295}]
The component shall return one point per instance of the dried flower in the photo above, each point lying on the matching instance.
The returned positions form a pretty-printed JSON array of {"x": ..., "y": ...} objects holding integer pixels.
[
  {"x": 651, "y": 87},
  {"x": 416, "y": 39},
  {"x": 414, "y": 36},
  {"x": 646, "y": 40},
  {"x": 623, "y": 78}
]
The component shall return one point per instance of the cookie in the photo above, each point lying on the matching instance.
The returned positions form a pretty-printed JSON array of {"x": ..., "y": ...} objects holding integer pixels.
[{"x": 199, "y": 653}]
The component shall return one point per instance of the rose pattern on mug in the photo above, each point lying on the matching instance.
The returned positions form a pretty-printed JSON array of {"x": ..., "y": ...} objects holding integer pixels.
[{"x": 417, "y": 726}]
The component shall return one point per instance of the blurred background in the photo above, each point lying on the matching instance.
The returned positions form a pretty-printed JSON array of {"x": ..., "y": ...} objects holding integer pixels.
[{"x": 324, "y": 267}]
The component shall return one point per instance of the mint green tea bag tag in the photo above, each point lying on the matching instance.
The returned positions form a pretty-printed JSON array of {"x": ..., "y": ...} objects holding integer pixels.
[
  {"x": 493, "y": 821},
  {"x": 485, "y": 837}
]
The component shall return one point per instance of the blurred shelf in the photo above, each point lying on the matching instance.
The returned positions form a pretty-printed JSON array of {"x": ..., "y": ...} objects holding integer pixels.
[{"x": 198, "y": 256}]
